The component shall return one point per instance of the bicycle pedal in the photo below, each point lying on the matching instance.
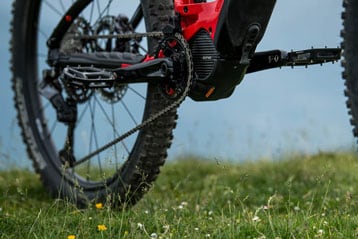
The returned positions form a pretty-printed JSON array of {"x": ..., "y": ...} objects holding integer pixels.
[
  {"x": 278, "y": 58},
  {"x": 88, "y": 77},
  {"x": 312, "y": 56}
]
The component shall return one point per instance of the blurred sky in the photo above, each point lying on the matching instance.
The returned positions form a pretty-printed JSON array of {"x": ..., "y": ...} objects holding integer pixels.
[{"x": 272, "y": 113}]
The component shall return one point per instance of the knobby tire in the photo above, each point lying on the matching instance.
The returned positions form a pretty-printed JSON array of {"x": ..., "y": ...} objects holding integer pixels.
[
  {"x": 350, "y": 61},
  {"x": 135, "y": 176}
]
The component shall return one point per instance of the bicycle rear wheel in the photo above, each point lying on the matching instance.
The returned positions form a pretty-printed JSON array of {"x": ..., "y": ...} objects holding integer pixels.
[
  {"x": 125, "y": 171},
  {"x": 350, "y": 62}
]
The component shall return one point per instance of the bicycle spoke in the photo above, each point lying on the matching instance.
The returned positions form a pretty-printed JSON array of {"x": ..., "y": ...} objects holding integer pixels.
[
  {"x": 112, "y": 123},
  {"x": 86, "y": 137},
  {"x": 101, "y": 13},
  {"x": 53, "y": 8},
  {"x": 91, "y": 14},
  {"x": 82, "y": 114},
  {"x": 43, "y": 34},
  {"x": 88, "y": 174},
  {"x": 62, "y": 7},
  {"x": 114, "y": 134},
  {"x": 98, "y": 8},
  {"x": 129, "y": 113},
  {"x": 137, "y": 93},
  {"x": 142, "y": 48},
  {"x": 93, "y": 135},
  {"x": 52, "y": 129}
]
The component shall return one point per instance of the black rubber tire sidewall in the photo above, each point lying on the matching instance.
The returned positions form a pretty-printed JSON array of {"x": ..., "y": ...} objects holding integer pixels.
[
  {"x": 350, "y": 62},
  {"x": 150, "y": 150}
]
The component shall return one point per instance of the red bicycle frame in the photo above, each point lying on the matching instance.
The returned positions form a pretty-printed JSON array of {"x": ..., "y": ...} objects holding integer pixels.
[
  {"x": 196, "y": 16},
  {"x": 222, "y": 36}
]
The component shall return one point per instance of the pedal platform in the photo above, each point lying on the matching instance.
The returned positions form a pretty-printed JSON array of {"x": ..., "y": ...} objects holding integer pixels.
[
  {"x": 278, "y": 58},
  {"x": 88, "y": 77}
]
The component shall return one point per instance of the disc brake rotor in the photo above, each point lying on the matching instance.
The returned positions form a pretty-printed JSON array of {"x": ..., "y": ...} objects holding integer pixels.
[{"x": 110, "y": 25}]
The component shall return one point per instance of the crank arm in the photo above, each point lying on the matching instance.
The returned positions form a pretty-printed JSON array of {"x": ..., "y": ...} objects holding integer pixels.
[
  {"x": 278, "y": 58},
  {"x": 150, "y": 71}
]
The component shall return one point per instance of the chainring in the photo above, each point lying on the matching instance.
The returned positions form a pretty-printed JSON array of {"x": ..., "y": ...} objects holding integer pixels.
[{"x": 174, "y": 48}]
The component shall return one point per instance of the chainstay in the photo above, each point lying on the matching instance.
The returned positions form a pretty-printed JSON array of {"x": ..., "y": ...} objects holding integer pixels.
[{"x": 157, "y": 115}]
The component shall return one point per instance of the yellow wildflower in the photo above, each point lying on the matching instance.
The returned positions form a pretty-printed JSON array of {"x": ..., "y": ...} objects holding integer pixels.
[
  {"x": 101, "y": 227},
  {"x": 99, "y": 205},
  {"x": 71, "y": 237}
]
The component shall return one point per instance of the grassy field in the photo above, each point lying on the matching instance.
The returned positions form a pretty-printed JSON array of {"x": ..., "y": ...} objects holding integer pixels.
[{"x": 300, "y": 197}]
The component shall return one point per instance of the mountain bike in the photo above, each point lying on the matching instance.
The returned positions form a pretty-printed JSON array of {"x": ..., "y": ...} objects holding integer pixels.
[{"x": 97, "y": 91}]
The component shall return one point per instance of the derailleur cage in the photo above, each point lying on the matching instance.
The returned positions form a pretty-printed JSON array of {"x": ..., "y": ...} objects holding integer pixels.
[{"x": 50, "y": 88}]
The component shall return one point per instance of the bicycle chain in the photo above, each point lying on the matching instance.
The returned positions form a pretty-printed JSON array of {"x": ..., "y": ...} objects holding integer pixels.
[
  {"x": 124, "y": 36},
  {"x": 151, "y": 119}
]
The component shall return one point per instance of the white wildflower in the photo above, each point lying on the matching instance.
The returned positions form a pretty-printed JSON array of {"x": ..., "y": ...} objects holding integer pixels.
[
  {"x": 256, "y": 219},
  {"x": 140, "y": 226},
  {"x": 153, "y": 235},
  {"x": 166, "y": 229},
  {"x": 184, "y": 203}
]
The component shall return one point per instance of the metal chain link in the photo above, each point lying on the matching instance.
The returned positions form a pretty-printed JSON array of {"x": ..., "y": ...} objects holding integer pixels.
[
  {"x": 124, "y": 36},
  {"x": 151, "y": 119}
]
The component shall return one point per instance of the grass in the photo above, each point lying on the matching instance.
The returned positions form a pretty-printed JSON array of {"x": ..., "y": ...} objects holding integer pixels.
[{"x": 300, "y": 197}]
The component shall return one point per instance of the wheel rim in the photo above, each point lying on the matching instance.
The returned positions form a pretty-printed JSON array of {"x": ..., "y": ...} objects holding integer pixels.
[{"x": 99, "y": 120}]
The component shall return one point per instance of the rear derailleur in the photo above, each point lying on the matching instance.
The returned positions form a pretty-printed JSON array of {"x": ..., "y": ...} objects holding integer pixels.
[{"x": 50, "y": 88}]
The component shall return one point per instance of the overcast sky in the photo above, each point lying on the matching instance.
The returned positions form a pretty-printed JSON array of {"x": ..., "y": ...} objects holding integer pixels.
[{"x": 271, "y": 113}]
